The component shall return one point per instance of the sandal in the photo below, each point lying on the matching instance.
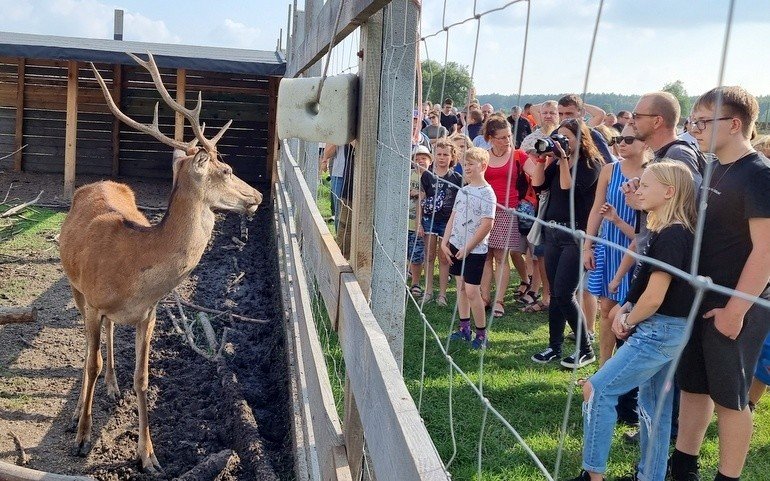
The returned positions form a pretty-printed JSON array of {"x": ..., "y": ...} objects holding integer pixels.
[
  {"x": 441, "y": 301},
  {"x": 498, "y": 311},
  {"x": 416, "y": 291},
  {"x": 427, "y": 297},
  {"x": 538, "y": 306},
  {"x": 530, "y": 297},
  {"x": 525, "y": 285}
]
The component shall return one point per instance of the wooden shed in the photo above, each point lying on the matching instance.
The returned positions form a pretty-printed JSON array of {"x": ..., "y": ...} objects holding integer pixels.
[{"x": 51, "y": 103}]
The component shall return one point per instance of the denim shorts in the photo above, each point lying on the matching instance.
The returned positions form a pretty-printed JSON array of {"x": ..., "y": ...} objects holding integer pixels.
[
  {"x": 415, "y": 248},
  {"x": 434, "y": 225}
]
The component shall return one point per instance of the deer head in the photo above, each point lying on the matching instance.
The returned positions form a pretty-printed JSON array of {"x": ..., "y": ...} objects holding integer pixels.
[{"x": 198, "y": 170}]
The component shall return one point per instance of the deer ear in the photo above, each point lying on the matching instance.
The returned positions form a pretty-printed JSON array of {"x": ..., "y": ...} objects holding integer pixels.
[{"x": 200, "y": 161}]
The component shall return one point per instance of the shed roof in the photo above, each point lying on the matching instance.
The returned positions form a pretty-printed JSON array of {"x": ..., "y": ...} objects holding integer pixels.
[{"x": 214, "y": 59}]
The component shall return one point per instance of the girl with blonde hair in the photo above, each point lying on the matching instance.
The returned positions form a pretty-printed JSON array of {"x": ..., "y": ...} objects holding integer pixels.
[{"x": 653, "y": 321}]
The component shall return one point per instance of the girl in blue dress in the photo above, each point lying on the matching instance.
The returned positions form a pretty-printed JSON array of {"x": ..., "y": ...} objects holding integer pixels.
[{"x": 613, "y": 220}]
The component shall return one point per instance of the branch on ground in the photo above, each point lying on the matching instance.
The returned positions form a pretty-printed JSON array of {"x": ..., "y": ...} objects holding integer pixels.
[{"x": 21, "y": 207}]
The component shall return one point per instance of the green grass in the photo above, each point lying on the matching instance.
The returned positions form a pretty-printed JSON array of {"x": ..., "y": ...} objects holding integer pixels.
[
  {"x": 32, "y": 232},
  {"x": 529, "y": 396}
]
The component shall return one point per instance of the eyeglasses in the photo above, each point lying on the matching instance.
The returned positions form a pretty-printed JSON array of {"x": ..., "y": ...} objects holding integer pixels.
[
  {"x": 634, "y": 115},
  {"x": 507, "y": 137},
  {"x": 701, "y": 124},
  {"x": 628, "y": 139}
]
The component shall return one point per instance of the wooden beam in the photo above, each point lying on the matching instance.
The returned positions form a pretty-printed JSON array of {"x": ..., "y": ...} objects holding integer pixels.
[
  {"x": 16, "y": 315},
  {"x": 181, "y": 89},
  {"x": 317, "y": 41},
  {"x": 71, "y": 132},
  {"x": 272, "y": 140},
  {"x": 10, "y": 472},
  {"x": 362, "y": 204},
  {"x": 18, "y": 139},
  {"x": 117, "y": 94},
  {"x": 326, "y": 429},
  {"x": 398, "y": 441}
]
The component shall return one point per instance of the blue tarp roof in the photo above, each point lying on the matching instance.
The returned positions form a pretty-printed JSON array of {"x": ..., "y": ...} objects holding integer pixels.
[{"x": 213, "y": 59}]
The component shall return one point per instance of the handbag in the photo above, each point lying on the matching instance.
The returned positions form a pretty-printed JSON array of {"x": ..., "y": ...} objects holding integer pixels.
[
  {"x": 535, "y": 236},
  {"x": 525, "y": 223}
]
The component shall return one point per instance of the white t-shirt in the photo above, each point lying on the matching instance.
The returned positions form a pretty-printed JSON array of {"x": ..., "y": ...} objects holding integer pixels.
[{"x": 471, "y": 205}]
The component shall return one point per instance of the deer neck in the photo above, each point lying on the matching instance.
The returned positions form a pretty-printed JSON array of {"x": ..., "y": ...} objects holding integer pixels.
[{"x": 185, "y": 231}]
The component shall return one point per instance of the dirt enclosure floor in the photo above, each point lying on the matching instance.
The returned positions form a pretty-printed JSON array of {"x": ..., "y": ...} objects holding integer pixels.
[{"x": 197, "y": 407}]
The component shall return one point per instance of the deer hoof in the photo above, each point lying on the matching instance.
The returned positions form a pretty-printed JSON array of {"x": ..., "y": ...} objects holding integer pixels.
[
  {"x": 82, "y": 449},
  {"x": 73, "y": 426},
  {"x": 114, "y": 395},
  {"x": 151, "y": 466}
]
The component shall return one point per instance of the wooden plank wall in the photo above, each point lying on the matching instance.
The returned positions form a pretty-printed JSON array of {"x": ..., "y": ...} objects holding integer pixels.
[{"x": 242, "y": 98}]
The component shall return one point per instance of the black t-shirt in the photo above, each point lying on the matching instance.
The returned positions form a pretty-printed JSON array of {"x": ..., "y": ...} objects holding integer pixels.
[
  {"x": 449, "y": 121},
  {"x": 672, "y": 245},
  {"x": 585, "y": 190},
  {"x": 738, "y": 192},
  {"x": 440, "y": 193}
]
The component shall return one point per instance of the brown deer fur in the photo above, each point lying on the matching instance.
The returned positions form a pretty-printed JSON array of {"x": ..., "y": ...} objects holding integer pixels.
[{"x": 119, "y": 266}]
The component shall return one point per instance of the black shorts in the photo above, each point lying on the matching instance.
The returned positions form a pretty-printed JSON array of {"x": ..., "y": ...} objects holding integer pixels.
[
  {"x": 721, "y": 367},
  {"x": 470, "y": 268}
]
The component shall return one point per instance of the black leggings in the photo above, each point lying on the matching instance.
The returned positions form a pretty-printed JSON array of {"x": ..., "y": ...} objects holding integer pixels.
[{"x": 562, "y": 265}]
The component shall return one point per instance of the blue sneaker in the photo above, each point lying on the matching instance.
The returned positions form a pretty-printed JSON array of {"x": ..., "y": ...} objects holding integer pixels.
[
  {"x": 479, "y": 343},
  {"x": 460, "y": 335}
]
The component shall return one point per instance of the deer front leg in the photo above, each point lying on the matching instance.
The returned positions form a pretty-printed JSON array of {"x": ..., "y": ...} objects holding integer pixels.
[
  {"x": 113, "y": 392},
  {"x": 91, "y": 370},
  {"x": 146, "y": 453}
]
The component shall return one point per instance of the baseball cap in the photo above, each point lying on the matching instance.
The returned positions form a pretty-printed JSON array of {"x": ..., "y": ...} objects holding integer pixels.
[{"x": 421, "y": 149}]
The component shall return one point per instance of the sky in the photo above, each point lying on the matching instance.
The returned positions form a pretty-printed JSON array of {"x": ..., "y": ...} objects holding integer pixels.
[{"x": 640, "y": 45}]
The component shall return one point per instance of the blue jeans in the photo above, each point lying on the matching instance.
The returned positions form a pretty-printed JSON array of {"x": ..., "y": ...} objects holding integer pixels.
[
  {"x": 335, "y": 185},
  {"x": 644, "y": 361}
]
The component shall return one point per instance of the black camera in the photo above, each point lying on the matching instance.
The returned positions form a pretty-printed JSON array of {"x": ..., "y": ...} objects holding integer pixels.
[{"x": 548, "y": 144}]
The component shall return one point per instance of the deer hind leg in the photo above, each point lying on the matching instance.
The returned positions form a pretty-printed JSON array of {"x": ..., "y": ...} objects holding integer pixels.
[
  {"x": 91, "y": 370},
  {"x": 80, "y": 303},
  {"x": 146, "y": 453},
  {"x": 113, "y": 392}
]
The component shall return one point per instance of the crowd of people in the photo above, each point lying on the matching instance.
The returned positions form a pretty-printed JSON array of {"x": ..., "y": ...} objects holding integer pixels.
[{"x": 632, "y": 182}]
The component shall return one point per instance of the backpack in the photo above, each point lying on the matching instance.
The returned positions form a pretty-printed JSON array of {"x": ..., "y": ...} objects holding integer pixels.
[{"x": 699, "y": 156}]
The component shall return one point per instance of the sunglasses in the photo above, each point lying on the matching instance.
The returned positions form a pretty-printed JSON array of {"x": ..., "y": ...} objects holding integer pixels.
[{"x": 629, "y": 139}]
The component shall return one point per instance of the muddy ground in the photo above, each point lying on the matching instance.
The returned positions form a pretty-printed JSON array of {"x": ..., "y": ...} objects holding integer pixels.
[{"x": 196, "y": 407}]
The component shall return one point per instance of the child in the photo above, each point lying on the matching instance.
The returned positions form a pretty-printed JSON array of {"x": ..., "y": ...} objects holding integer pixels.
[
  {"x": 422, "y": 159},
  {"x": 465, "y": 244},
  {"x": 655, "y": 316},
  {"x": 438, "y": 191}
]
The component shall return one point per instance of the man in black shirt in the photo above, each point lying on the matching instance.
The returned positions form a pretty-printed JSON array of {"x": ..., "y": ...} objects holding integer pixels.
[
  {"x": 448, "y": 119},
  {"x": 519, "y": 125},
  {"x": 717, "y": 364}
]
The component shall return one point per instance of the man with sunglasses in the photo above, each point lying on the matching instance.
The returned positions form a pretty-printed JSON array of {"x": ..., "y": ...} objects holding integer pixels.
[{"x": 654, "y": 121}]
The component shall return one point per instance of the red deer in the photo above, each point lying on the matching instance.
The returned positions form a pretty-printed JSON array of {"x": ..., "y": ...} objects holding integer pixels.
[{"x": 119, "y": 265}]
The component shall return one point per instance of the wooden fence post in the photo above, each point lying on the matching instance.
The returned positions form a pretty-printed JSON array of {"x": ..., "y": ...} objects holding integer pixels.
[
  {"x": 71, "y": 133},
  {"x": 18, "y": 140}
]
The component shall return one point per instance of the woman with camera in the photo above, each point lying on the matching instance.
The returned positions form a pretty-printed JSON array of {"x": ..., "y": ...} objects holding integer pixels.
[{"x": 570, "y": 147}]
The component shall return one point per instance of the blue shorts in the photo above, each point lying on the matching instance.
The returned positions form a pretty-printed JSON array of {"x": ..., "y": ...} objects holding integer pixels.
[
  {"x": 415, "y": 248},
  {"x": 763, "y": 365},
  {"x": 436, "y": 227}
]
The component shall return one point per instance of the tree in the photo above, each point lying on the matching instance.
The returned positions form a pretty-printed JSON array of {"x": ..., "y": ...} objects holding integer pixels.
[
  {"x": 458, "y": 81},
  {"x": 677, "y": 90}
]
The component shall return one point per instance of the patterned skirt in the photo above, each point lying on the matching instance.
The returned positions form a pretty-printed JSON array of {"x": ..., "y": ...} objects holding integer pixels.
[{"x": 505, "y": 232}]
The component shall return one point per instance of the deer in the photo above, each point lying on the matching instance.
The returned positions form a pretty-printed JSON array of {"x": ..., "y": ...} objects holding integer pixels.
[{"x": 119, "y": 266}]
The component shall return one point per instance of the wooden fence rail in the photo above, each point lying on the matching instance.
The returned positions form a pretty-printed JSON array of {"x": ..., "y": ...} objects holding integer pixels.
[{"x": 399, "y": 445}]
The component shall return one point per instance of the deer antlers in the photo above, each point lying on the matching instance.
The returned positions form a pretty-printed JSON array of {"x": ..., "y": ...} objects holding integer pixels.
[{"x": 192, "y": 116}]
